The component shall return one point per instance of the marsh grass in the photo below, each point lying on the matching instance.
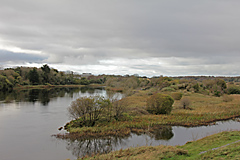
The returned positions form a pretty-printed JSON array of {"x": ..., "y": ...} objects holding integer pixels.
[{"x": 205, "y": 110}]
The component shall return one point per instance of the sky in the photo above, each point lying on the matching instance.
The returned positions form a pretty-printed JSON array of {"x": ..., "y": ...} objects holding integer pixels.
[{"x": 149, "y": 38}]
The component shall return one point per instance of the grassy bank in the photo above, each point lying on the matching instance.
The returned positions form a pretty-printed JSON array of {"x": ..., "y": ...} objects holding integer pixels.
[{"x": 225, "y": 145}]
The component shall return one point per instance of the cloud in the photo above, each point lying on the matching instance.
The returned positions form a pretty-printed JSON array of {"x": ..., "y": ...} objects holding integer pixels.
[
  {"x": 11, "y": 57},
  {"x": 188, "y": 37}
]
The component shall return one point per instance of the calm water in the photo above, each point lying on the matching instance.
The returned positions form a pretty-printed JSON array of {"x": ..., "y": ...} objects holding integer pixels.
[{"x": 29, "y": 118}]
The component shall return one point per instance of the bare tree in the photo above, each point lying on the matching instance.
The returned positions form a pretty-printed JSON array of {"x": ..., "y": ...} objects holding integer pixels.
[
  {"x": 185, "y": 103},
  {"x": 88, "y": 109},
  {"x": 118, "y": 107}
]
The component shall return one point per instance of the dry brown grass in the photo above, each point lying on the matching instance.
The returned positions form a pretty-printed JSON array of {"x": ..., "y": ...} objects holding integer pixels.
[{"x": 202, "y": 104}]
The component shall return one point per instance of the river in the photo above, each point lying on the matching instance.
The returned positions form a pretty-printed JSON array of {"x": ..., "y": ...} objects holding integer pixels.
[{"x": 29, "y": 118}]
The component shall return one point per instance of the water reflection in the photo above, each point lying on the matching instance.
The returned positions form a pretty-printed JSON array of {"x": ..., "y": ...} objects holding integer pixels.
[
  {"x": 27, "y": 122},
  {"x": 162, "y": 133},
  {"x": 158, "y": 135},
  {"x": 43, "y": 95},
  {"x": 83, "y": 147}
]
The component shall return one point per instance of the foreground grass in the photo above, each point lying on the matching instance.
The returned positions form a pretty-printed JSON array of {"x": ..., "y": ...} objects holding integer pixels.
[{"x": 226, "y": 143}]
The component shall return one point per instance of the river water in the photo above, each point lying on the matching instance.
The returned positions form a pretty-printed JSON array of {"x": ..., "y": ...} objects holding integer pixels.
[{"x": 29, "y": 118}]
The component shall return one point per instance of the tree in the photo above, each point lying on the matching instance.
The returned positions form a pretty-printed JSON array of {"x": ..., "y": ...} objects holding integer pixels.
[
  {"x": 45, "y": 68},
  {"x": 84, "y": 81},
  {"x": 46, "y": 71},
  {"x": 222, "y": 84},
  {"x": 88, "y": 110},
  {"x": 5, "y": 84},
  {"x": 160, "y": 104},
  {"x": 118, "y": 108},
  {"x": 33, "y": 76},
  {"x": 185, "y": 102}
]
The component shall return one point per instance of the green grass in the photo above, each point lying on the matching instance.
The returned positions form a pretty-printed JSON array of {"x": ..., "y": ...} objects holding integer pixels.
[{"x": 191, "y": 150}]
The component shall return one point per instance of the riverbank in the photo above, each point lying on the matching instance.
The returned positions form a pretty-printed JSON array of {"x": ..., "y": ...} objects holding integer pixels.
[{"x": 225, "y": 145}]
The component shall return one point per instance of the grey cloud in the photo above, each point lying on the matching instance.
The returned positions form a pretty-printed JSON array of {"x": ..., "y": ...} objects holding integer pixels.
[
  {"x": 7, "y": 56},
  {"x": 85, "y": 32}
]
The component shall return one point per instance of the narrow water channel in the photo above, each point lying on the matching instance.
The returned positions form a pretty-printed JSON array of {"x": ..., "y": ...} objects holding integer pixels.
[{"x": 29, "y": 118}]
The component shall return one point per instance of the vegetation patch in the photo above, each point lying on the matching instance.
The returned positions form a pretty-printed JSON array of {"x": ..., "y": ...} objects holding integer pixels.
[{"x": 205, "y": 110}]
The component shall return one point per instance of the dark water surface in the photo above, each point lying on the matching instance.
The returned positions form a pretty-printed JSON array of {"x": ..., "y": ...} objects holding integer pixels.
[{"x": 29, "y": 118}]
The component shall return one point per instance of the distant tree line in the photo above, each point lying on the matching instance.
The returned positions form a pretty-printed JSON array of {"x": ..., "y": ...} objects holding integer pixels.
[{"x": 45, "y": 75}]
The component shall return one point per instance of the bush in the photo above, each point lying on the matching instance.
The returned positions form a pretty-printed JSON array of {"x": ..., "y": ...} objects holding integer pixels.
[
  {"x": 177, "y": 95},
  {"x": 175, "y": 87},
  {"x": 196, "y": 87},
  {"x": 185, "y": 103},
  {"x": 160, "y": 104},
  {"x": 167, "y": 89},
  {"x": 233, "y": 89}
]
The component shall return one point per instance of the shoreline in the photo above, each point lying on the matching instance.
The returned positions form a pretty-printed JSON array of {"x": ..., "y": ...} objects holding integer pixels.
[{"x": 100, "y": 132}]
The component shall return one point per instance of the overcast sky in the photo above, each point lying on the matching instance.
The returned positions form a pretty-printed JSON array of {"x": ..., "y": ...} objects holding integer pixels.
[{"x": 156, "y": 37}]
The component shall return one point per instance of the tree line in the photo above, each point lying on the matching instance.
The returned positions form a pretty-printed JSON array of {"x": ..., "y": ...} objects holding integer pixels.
[{"x": 21, "y": 76}]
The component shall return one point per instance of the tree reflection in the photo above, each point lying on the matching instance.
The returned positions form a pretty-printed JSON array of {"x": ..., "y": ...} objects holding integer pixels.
[
  {"x": 33, "y": 95},
  {"x": 92, "y": 146},
  {"x": 162, "y": 132},
  {"x": 87, "y": 147},
  {"x": 44, "y": 97}
]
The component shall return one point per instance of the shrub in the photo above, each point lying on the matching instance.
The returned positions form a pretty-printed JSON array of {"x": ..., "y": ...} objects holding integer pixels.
[
  {"x": 159, "y": 104},
  {"x": 177, "y": 95},
  {"x": 222, "y": 84},
  {"x": 175, "y": 87},
  {"x": 196, "y": 87},
  {"x": 167, "y": 89},
  {"x": 185, "y": 103},
  {"x": 233, "y": 89}
]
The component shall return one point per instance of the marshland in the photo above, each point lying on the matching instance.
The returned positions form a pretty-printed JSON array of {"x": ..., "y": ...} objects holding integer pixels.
[{"x": 124, "y": 116}]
